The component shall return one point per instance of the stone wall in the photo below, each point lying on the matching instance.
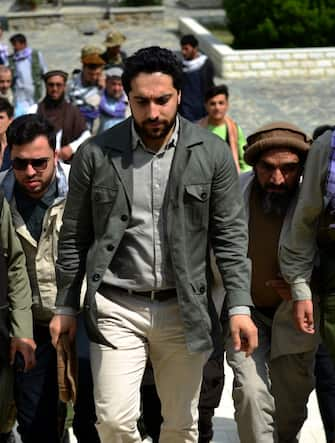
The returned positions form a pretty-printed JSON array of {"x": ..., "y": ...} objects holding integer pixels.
[
  {"x": 263, "y": 63},
  {"x": 76, "y": 15}
]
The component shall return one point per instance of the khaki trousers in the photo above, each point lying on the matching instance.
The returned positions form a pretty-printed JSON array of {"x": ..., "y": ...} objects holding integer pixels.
[
  {"x": 270, "y": 397},
  {"x": 140, "y": 328}
]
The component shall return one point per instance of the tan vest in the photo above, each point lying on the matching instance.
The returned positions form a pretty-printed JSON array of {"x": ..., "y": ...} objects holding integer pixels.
[{"x": 41, "y": 258}]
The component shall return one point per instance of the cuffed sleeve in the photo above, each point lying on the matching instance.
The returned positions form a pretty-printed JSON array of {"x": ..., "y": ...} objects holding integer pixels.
[{"x": 239, "y": 310}]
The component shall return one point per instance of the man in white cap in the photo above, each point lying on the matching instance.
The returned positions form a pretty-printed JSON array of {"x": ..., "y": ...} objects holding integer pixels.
[{"x": 114, "y": 103}]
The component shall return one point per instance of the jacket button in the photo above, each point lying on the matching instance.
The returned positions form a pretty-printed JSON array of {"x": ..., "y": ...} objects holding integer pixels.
[
  {"x": 202, "y": 289},
  {"x": 87, "y": 307},
  {"x": 96, "y": 277},
  {"x": 124, "y": 217},
  {"x": 204, "y": 195},
  {"x": 110, "y": 247}
]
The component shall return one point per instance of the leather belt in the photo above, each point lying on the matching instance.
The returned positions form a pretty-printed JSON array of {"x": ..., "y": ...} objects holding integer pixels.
[{"x": 163, "y": 295}]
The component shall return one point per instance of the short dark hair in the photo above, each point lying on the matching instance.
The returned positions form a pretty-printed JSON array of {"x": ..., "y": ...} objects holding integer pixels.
[
  {"x": 189, "y": 39},
  {"x": 26, "y": 128},
  {"x": 216, "y": 90},
  {"x": 20, "y": 38},
  {"x": 6, "y": 107},
  {"x": 150, "y": 60}
]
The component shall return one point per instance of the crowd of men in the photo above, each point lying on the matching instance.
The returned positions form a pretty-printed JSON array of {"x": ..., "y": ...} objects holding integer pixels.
[{"x": 143, "y": 238}]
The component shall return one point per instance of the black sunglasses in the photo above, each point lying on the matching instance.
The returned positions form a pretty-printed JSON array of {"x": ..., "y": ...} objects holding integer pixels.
[{"x": 39, "y": 164}]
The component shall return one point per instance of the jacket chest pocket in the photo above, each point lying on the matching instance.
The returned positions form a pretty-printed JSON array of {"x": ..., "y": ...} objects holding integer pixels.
[
  {"x": 196, "y": 204},
  {"x": 103, "y": 200}
]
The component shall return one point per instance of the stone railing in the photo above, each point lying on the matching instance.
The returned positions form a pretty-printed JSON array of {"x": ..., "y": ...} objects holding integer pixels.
[{"x": 262, "y": 63}]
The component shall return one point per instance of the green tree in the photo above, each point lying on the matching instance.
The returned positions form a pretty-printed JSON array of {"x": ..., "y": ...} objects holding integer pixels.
[{"x": 281, "y": 23}]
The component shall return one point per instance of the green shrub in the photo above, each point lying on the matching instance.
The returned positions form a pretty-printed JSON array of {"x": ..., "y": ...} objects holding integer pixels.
[
  {"x": 281, "y": 23},
  {"x": 141, "y": 2}
]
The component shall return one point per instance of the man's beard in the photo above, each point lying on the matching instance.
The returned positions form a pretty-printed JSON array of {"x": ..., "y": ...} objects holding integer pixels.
[
  {"x": 275, "y": 203},
  {"x": 154, "y": 133},
  {"x": 51, "y": 102}
]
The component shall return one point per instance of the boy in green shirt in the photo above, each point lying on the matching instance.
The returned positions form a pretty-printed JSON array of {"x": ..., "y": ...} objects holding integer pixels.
[{"x": 218, "y": 122}]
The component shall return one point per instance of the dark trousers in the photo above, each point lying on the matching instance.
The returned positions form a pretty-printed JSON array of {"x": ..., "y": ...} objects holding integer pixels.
[
  {"x": 325, "y": 390},
  {"x": 36, "y": 393},
  {"x": 210, "y": 396},
  {"x": 84, "y": 417}
]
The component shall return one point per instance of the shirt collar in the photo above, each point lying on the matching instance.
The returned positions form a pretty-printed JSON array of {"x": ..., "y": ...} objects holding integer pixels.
[{"x": 171, "y": 143}]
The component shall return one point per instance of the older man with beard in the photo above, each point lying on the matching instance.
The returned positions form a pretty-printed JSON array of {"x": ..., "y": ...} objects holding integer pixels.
[
  {"x": 65, "y": 117},
  {"x": 271, "y": 388}
]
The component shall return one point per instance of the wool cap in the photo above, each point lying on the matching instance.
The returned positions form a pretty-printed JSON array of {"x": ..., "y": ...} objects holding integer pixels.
[
  {"x": 115, "y": 72},
  {"x": 275, "y": 135},
  {"x": 58, "y": 72},
  {"x": 91, "y": 55},
  {"x": 114, "y": 38}
]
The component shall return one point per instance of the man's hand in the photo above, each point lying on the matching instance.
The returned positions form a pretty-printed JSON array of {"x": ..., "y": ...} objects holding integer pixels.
[
  {"x": 26, "y": 346},
  {"x": 281, "y": 287},
  {"x": 244, "y": 333},
  {"x": 102, "y": 81},
  {"x": 65, "y": 153},
  {"x": 62, "y": 324},
  {"x": 303, "y": 316}
]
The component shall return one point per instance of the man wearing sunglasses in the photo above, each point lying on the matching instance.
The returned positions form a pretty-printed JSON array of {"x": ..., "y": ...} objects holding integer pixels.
[{"x": 36, "y": 188}]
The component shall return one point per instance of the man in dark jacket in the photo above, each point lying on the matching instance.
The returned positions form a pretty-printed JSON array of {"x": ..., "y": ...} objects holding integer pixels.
[
  {"x": 198, "y": 77},
  {"x": 147, "y": 200},
  {"x": 65, "y": 117}
]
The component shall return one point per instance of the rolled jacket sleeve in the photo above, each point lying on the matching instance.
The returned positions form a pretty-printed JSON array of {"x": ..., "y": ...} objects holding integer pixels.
[
  {"x": 19, "y": 292},
  {"x": 298, "y": 252}
]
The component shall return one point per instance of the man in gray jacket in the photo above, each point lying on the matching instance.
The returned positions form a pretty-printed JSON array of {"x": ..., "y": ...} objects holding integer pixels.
[
  {"x": 272, "y": 387},
  {"x": 147, "y": 200}
]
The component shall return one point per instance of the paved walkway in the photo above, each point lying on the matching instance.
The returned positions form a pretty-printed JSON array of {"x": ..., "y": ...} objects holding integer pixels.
[{"x": 307, "y": 103}]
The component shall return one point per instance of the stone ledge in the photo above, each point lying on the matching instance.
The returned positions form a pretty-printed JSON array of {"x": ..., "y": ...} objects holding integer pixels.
[
  {"x": 76, "y": 14},
  {"x": 200, "y": 4},
  {"x": 230, "y": 64}
]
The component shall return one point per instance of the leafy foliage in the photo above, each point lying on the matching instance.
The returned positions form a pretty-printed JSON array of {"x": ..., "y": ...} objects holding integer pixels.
[{"x": 258, "y": 24}]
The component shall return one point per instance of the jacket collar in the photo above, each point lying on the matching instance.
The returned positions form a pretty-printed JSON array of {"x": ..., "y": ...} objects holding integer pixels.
[{"x": 117, "y": 142}]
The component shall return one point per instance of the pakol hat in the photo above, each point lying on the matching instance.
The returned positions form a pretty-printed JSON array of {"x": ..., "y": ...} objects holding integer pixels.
[
  {"x": 275, "y": 135},
  {"x": 91, "y": 55},
  {"x": 114, "y": 38},
  {"x": 49, "y": 74},
  {"x": 114, "y": 72}
]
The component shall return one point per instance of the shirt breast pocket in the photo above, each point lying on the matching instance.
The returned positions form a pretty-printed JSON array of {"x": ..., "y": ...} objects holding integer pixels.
[{"x": 196, "y": 204}]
